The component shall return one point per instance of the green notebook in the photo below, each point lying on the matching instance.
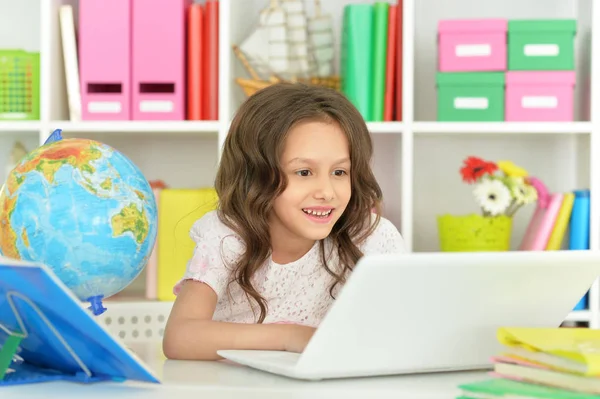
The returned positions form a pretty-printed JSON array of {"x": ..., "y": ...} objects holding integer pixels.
[
  {"x": 379, "y": 59},
  {"x": 355, "y": 57},
  {"x": 500, "y": 388}
]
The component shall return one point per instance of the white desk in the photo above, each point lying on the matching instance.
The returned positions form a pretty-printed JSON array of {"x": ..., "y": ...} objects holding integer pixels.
[{"x": 221, "y": 380}]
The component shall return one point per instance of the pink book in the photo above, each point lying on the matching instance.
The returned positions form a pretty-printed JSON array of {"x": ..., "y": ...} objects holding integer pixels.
[
  {"x": 532, "y": 228},
  {"x": 518, "y": 361},
  {"x": 506, "y": 377},
  {"x": 541, "y": 225},
  {"x": 152, "y": 265}
]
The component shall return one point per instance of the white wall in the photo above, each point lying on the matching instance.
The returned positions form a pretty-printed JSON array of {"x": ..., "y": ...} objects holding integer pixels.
[
  {"x": 20, "y": 24},
  {"x": 7, "y": 142}
]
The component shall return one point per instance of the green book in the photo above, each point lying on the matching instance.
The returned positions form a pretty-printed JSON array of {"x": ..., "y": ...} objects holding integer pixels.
[
  {"x": 355, "y": 56},
  {"x": 501, "y": 388},
  {"x": 379, "y": 59}
]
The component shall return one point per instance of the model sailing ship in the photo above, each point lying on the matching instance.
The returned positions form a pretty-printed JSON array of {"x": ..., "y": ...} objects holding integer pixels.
[{"x": 288, "y": 45}]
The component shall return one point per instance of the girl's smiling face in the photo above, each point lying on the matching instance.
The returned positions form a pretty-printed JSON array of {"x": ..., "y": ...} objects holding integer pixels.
[{"x": 316, "y": 164}]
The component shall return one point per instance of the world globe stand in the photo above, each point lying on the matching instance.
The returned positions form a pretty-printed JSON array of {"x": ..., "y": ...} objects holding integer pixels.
[
  {"x": 96, "y": 305},
  {"x": 55, "y": 136}
]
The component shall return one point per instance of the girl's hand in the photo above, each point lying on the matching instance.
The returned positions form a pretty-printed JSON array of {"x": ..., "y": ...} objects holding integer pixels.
[{"x": 297, "y": 337}]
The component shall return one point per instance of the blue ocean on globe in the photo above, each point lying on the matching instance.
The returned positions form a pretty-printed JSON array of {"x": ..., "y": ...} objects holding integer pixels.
[{"x": 83, "y": 209}]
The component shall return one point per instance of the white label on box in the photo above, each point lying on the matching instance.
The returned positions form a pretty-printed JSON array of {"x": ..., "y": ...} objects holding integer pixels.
[
  {"x": 541, "y": 50},
  {"x": 471, "y": 103},
  {"x": 104, "y": 107},
  {"x": 539, "y": 102},
  {"x": 156, "y": 106},
  {"x": 473, "y": 50}
]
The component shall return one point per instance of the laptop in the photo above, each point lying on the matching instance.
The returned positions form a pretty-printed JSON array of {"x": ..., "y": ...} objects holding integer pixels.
[{"x": 433, "y": 312}]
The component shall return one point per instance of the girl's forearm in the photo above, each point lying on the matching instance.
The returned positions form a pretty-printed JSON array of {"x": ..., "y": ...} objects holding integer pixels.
[{"x": 201, "y": 339}]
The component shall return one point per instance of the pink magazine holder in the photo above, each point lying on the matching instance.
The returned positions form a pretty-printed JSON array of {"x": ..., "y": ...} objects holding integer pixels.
[
  {"x": 158, "y": 59},
  {"x": 105, "y": 59}
]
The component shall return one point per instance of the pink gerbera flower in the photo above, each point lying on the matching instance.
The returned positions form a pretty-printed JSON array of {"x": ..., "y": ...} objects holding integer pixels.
[{"x": 542, "y": 191}]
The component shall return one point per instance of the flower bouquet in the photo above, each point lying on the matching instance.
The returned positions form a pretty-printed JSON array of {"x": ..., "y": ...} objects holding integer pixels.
[{"x": 500, "y": 189}]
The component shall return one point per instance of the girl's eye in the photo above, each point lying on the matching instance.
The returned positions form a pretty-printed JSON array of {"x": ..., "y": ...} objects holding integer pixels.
[
  {"x": 340, "y": 172},
  {"x": 303, "y": 173}
]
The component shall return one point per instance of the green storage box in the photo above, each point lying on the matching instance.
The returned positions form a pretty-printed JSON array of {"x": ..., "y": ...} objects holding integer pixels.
[
  {"x": 547, "y": 44},
  {"x": 19, "y": 85},
  {"x": 470, "y": 96}
]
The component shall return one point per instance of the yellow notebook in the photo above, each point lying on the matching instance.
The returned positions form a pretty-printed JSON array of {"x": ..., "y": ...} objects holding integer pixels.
[
  {"x": 570, "y": 349},
  {"x": 179, "y": 209},
  {"x": 561, "y": 222}
]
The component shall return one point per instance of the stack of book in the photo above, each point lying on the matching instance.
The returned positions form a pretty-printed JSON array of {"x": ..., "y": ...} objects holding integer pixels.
[
  {"x": 371, "y": 58},
  {"x": 542, "y": 363}
]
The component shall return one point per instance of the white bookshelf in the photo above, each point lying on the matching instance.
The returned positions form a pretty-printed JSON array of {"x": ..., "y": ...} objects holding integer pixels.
[{"x": 416, "y": 160}]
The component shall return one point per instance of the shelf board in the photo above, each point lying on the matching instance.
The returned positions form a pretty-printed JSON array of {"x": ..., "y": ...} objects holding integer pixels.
[
  {"x": 19, "y": 126},
  {"x": 141, "y": 127},
  {"x": 502, "y": 127},
  {"x": 180, "y": 127},
  {"x": 579, "y": 315},
  {"x": 385, "y": 127}
]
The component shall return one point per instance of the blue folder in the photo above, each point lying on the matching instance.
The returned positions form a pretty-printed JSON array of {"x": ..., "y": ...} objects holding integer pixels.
[{"x": 60, "y": 338}]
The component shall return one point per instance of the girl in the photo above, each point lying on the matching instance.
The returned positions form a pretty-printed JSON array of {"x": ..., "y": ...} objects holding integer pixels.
[{"x": 296, "y": 194}]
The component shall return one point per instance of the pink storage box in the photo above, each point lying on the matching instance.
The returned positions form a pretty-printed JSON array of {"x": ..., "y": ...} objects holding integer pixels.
[
  {"x": 472, "y": 45},
  {"x": 158, "y": 59},
  {"x": 105, "y": 59},
  {"x": 539, "y": 96}
]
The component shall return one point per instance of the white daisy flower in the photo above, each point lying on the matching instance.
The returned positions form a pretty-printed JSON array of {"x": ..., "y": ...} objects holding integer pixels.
[
  {"x": 493, "y": 196},
  {"x": 523, "y": 193}
]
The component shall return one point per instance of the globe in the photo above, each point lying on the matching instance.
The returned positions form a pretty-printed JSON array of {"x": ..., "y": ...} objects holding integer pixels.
[{"x": 84, "y": 210}]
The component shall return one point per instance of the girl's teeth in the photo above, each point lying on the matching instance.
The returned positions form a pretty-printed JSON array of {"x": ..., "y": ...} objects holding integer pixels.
[{"x": 316, "y": 213}]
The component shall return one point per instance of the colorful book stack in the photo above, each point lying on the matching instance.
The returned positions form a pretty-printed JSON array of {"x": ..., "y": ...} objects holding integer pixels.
[
  {"x": 371, "y": 59},
  {"x": 500, "y": 70},
  {"x": 544, "y": 363},
  {"x": 142, "y": 59},
  {"x": 548, "y": 226},
  {"x": 203, "y": 61}
]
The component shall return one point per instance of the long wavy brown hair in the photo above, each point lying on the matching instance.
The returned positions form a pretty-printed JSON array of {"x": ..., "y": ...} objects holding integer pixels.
[{"x": 250, "y": 177}]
